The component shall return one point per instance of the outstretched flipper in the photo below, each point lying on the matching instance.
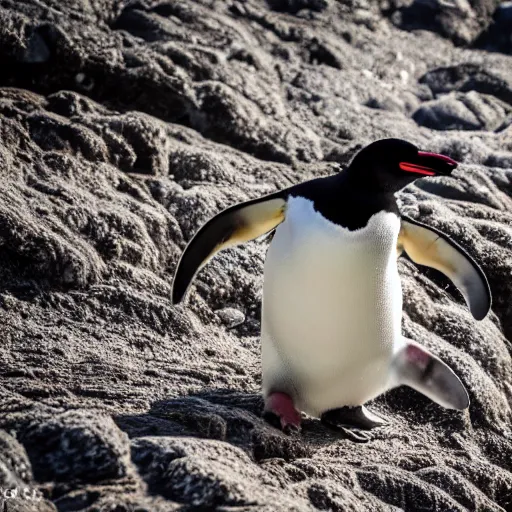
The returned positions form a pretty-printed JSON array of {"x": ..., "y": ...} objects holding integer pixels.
[
  {"x": 417, "y": 368},
  {"x": 233, "y": 226},
  {"x": 433, "y": 248}
]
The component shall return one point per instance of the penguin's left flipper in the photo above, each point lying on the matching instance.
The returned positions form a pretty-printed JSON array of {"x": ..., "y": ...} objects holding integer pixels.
[
  {"x": 233, "y": 226},
  {"x": 416, "y": 367},
  {"x": 433, "y": 248}
]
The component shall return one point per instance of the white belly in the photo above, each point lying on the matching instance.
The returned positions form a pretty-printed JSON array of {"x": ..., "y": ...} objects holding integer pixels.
[{"x": 332, "y": 307}]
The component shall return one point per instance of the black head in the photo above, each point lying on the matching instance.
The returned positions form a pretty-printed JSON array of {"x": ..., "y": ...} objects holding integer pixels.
[{"x": 391, "y": 164}]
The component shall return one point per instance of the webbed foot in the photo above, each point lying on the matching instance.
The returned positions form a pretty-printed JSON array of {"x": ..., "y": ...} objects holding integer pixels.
[
  {"x": 351, "y": 419},
  {"x": 280, "y": 412}
]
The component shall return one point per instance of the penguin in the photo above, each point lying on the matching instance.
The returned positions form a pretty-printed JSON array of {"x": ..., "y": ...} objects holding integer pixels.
[{"x": 332, "y": 298}]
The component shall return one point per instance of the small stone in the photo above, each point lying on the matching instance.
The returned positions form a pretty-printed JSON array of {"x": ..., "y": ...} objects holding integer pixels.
[{"x": 231, "y": 317}]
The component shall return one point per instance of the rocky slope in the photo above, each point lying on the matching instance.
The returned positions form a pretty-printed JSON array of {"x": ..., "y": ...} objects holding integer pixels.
[{"x": 124, "y": 126}]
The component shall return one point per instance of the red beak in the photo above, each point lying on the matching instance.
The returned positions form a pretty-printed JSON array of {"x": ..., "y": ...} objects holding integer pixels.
[{"x": 429, "y": 164}]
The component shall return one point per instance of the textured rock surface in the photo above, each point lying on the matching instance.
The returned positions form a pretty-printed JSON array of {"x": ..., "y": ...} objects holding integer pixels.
[
  {"x": 124, "y": 126},
  {"x": 471, "y": 111},
  {"x": 463, "y": 21},
  {"x": 498, "y": 37}
]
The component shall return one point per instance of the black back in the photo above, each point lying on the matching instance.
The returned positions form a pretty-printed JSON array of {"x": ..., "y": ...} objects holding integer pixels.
[
  {"x": 366, "y": 187},
  {"x": 345, "y": 203}
]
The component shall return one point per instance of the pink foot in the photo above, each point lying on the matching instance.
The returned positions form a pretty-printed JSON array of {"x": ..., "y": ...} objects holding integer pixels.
[{"x": 281, "y": 405}]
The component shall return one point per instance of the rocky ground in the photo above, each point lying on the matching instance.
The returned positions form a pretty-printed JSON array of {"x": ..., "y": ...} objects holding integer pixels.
[{"x": 123, "y": 127}]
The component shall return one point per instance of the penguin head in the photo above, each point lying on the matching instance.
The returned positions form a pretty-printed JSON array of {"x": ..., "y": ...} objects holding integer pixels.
[{"x": 391, "y": 164}]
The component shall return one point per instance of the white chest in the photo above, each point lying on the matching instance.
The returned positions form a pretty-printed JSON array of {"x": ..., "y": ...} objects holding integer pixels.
[{"x": 332, "y": 297}]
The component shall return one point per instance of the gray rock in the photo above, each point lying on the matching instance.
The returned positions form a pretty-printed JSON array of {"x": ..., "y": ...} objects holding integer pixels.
[
  {"x": 498, "y": 37},
  {"x": 231, "y": 317},
  {"x": 463, "y": 21},
  {"x": 15, "y": 466},
  {"x": 148, "y": 118},
  {"x": 207, "y": 473},
  {"x": 18, "y": 490},
  {"x": 466, "y": 77},
  {"x": 503, "y": 159},
  {"x": 76, "y": 445},
  {"x": 447, "y": 113},
  {"x": 471, "y": 111}
]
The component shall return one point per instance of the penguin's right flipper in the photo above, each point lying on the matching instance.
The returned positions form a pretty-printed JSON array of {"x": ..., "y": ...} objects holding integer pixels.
[
  {"x": 233, "y": 226},
  {"x": 429, "y": 246},
  {"x": 417, "y": 368}
]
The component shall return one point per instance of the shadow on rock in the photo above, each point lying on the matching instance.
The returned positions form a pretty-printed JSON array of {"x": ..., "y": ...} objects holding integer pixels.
[
  {"x": 223, "y": 415},
  {"x": 236, "y": 418}
]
